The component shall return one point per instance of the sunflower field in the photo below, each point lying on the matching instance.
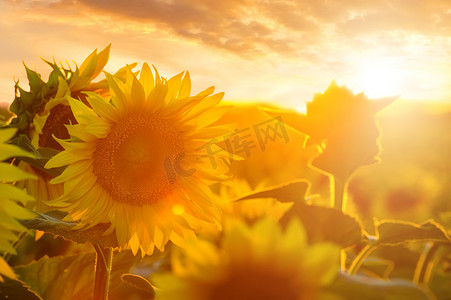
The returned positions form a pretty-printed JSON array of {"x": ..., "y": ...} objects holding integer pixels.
[{"x": 133, "y": 187}]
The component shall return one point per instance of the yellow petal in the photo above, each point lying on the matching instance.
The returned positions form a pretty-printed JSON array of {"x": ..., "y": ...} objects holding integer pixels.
[
  {"x": 6, "y": 270},
  {"x": 146, "y": 79}
]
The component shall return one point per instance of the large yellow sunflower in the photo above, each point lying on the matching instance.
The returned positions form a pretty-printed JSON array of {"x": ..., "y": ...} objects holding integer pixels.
[
  {"x": 10, "y": 197},
  {"x": 143, "y": 160},
  {"x": 54, "y": 113},
  {"x": 251, "y": 263}
]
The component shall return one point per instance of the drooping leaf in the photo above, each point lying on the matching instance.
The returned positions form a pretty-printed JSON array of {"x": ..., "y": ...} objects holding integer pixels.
[
  {"x": 392, "y": 232},
  {"x": 24, "y": 143},
  {"x": 135, "y": 287},
  {"x": 123, "y": 262},
  {"x": 52, "y": 222},
  {"x": 357, "y": 287},
  {"x": 70, "y": 277},
  {"x": 292, "y": 191},
  {"x": 16, "y": 289},
  {"x": 326, "y": 224},
  {"x": 42, "y": 155},
  {"x": 140, "y": 283},
  {"x": 377, "y": 266}
]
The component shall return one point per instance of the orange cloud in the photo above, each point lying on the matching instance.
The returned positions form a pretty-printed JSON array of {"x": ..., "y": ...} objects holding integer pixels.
[{"x": 285, "y": 49}]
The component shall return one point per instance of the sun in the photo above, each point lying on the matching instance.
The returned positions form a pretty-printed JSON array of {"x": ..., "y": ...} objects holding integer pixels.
[{"x": 379, "y": 77}]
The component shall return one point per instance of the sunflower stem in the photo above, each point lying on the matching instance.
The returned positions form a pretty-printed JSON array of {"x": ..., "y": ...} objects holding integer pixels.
[
  {"x": 426, "y": 263},
  {"x": 338, "y": 188},
  {"x": 104, "y": 260},
  {"x": 338, "y": 192},
  {"x": 7, "y": 256},
  {"x": 358, "y": 261}
]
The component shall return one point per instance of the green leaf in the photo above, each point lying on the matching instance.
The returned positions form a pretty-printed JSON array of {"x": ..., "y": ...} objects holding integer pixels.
[
  {"x": 52, "y": 222},
  {"x": 291, "y": 191},
  {"x": 10, "y": 173},
  {"x": 45, "y": 154},
  {"x": 53, "y": 77},
  {"x": 326, "y": 224},
  {"x": 16, "y": 289},
  {"x": 34, "y": 79},
  {"x": 122, "y": 263},
  {"x": 5, "y": 114},
  {"x": 124, "y": 289},
  {"x": 27, "y": 104},
  {"x": 392, "y": 232},
  {"x": 42, "y": 155},
  {"x": 24, "y": 143},
  {"x": 72, "y": 277},
  {"x": 51, "y": 278},
  {"x": 140, "y": 283},
  {"x": 377, "y": 266},
  {"x": 357, "y": 287},
  {"x": 440, "y": 284}
]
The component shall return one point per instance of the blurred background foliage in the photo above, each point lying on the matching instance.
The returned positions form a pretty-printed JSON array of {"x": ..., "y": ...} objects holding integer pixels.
[{"x": 412, "y": 183}]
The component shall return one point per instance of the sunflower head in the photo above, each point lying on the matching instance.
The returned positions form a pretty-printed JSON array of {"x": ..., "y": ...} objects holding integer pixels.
[
  {"x": 141, "y": 159},
  {"x": 55, "y": 112},
  {"x": 12, "y": 199},
  {"x": 252, "y": 263},
  {"x": 44, "y": 112}
]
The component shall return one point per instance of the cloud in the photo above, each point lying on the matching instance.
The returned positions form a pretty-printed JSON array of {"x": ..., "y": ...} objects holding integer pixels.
[
  {"x": 257, "y": 27},
  {"x": 244, "y": 45},
  {"x": 225, "y": 25},
  {"x": 414, "y": 17}
]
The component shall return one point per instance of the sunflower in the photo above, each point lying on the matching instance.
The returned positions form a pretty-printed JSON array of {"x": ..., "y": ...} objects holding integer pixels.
[
  {"x": 249, "y": 209},
  {"x": 11, "y": 199},
  {"x": 143, "y": 160},
  {"x": 251, "y": 263},
  {"x": 264, "y": 141},
  {"x": 54, "y": 113}
]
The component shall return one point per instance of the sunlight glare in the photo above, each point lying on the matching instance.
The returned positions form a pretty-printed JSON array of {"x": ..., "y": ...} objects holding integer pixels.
[{"x": 380, "y": 78}]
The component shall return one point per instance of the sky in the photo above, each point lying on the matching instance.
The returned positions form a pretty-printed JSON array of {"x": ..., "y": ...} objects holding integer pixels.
[{"x": 281, "y": 52}]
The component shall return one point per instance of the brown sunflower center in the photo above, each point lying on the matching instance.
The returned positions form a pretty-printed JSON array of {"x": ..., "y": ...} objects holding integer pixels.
[
  {"x": 130, "y": 161},
  {"x": 260, "y": 282},
  {"x": 59, "y": 116}
]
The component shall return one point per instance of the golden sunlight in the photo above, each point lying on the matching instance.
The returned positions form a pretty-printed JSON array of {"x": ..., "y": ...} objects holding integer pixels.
[
  {"x": 303, "y": 156},
  {"x": 379, "y": 77}
]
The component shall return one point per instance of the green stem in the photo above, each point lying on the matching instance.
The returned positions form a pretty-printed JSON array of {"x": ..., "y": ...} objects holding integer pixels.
[
  {"x": 358, "y": 261},
  {"x": 339, "y": 187},
  {"x": 338, "y": 192},
  {"x": 103, "y": 272},
  {"x": 433, "y": 264},
  {"x": 7, "y": 256},
  {"x": 425, "y": 263}
]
